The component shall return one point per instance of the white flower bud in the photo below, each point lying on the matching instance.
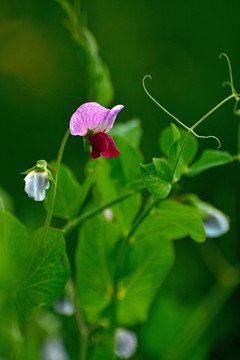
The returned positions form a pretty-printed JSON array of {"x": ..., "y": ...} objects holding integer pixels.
[
  {"x": 36, "y": 183},
  {"x": 125, "y": 343}
]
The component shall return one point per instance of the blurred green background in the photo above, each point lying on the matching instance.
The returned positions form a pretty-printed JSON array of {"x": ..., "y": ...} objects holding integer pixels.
[{"x": 42, "y": 79}]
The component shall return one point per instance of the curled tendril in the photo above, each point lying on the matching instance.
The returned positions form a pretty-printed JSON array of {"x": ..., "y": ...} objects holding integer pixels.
[
  {"x": 230, "y": 83},
  {"x": 180, "y": 122},
  {"x": 207, "y": 137},
  {"x": 157, "y": 103}
]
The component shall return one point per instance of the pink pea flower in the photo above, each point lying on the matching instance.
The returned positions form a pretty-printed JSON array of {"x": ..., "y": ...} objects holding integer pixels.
[{"x": 93, "y": 121}]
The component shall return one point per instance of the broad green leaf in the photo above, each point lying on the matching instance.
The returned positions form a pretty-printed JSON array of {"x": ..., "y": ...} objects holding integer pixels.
[
  {"x": 130, "y": 131},
  {"x": 209, "y": 159},
  {"x": 46, "y": 277},
  {"x": 149, "y": 260},
  {"x": 167, "y": 137},
  {"x": 157, "y": 177},
  {"x": 68, "y": 198},
  {"x": 115, "y": 176},
  {"x": 173, "y": 220},
  {"x": 34, "y": 275},
  {"x": 94, "y": 266}
]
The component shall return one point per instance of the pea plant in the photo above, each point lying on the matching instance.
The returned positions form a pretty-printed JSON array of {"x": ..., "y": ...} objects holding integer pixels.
[{"x": 124, "y": 216}]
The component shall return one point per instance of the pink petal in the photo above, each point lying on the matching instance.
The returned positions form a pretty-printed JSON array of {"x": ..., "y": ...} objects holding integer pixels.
[
  {"x": 94, "y": 117},
  {"x": 108, "y": 123},
  {"x": 103, "y": 144}
]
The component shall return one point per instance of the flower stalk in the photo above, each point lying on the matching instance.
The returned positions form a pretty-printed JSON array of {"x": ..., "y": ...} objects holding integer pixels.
[{"x": 54, "y": 188}]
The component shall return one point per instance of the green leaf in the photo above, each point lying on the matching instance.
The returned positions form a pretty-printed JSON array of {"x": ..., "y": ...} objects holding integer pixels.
[
  {"x": 157, "y": 177},
  {"x": 149, "y": 260},
  {"x": 33, "y": 275},
  {"x": 173, "y": 220},
  {"x": 68, "y": 198},
  {"x": 115, "y": 176},
  {"x": 167, "y": 137},
  {"x": 46, "y": 277},
  {"x": 208, "y": 159},
  {"x": 130, "y": 131},
  {"x": 94, "y": 266}
]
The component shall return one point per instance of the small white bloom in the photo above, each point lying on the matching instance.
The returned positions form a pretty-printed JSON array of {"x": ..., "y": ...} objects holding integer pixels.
[
  {"x": 216, "y": 222},
  {"x": 108, "y": 214},
  {"x": 54, "y": 349},
  {"x": 36, "y": 183},
  {"x": 64, "y": 306},
  {"x": 125, "y": 343}
]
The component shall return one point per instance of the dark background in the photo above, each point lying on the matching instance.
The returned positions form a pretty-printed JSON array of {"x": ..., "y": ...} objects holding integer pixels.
[{"x": 177, "y": 42}]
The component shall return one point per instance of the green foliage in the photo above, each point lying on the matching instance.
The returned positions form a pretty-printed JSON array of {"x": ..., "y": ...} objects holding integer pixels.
[
  {"x": 173, "y": 220},
  {"x": 34, "y": 274},
  {"x": 94, "y": 266},
  {"x": 131, "y": 131},
  {"x": 148, "y": 261},
  {"x": 68, "y": 195},
  {"x": 157, "y": 177},
  {"x": 208, "y": 159},
  {"x": 120, "y": 261},
  {"x": 115, "y": 177}
]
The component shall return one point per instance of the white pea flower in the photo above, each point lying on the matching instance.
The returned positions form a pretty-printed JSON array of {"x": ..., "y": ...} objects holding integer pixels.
[
  {"x": 37, "y": 181},
  {"x": 125, "y": 343},
  {"x": 216, "y": 222}
]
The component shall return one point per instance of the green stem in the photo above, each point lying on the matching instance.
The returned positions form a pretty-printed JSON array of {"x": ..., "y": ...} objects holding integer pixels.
[
  {"x": 54, "y": 187},
  {"x": 1, "y": 219},
  {"x": 158, "y": 104},
  {"x": 140, "y": 220},
  {"x": 180, "y": 154},
  {"x": 88, "y": 214},
  {"x": 80, "y": 322}
]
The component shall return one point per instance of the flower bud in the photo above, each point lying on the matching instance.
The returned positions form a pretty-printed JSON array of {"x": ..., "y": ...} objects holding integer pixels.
[{"x": 37, "y": 180}]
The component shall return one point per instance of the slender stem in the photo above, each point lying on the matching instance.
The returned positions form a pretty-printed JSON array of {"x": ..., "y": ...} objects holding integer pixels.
[
  {"x": 88, "y": 214},
  {"x": 211, "y": 111},
  {"x": 180, "y": 154},
  {"x": 1, "y": 218},
  {"x": 158, "y": 104},
  {"x": 54, "y": 187},
  {"x": 80, "y": 322},
  {"x": 140, "y": 220},
  {"x": 230, "y": 72}
]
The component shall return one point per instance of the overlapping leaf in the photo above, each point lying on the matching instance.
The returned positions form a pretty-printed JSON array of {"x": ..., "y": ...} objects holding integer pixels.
[
  {"x": 208, "y": 159},
  {"x": 34, "y": 274},
  {"x": 157, "y": 177},
  {"x": 68, "y": 195},
  {"x": 115, "y": 177}
]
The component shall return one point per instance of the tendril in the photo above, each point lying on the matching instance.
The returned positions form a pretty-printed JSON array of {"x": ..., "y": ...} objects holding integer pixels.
[
  {"x": 207, "y": 137},
  {"x": 230, "y": 83},
  {"x": 157, "y": 103}
]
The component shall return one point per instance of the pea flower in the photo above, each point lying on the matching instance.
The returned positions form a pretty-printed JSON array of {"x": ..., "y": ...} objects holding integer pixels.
[
  {"x": 125, "y": 343},
  {"x": 216, "y": 222},
  {"x": 37, "y": 180},
  {"x": 93, "y": 121}
]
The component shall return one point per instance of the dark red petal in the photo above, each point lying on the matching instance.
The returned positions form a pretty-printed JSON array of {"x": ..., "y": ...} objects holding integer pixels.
[{"x": 103, "y": 144}]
